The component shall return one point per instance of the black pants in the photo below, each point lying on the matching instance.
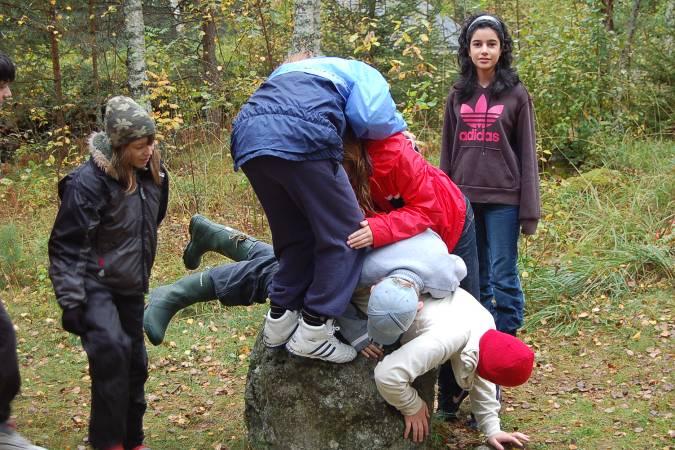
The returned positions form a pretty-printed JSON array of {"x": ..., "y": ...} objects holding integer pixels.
[
  {"x": 118, "y": 366},
  {"x": 311, "y": 209},
  {"x": 9, "y": 365}
]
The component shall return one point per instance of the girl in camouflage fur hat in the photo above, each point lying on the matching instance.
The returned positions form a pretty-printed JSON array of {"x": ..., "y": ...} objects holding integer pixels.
[{"x": 101, "y": 250}]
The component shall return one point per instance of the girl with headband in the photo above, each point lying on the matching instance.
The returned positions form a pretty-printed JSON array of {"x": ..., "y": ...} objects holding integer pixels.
[{"x": 488, "y": 150}]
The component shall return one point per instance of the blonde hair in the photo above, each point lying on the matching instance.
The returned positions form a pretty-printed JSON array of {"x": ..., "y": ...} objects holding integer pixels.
[
  {"x": 126, "y": 172},
  {"x": 359, "y": 168}
]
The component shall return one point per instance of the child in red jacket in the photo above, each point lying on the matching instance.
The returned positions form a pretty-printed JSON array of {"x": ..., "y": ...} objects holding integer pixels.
[{"x": 402, "y": 195}]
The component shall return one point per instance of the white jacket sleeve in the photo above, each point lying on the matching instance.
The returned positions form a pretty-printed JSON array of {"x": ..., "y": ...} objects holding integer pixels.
[
  {"x": 484, "y": 406},
  {"x": 396, "y": 372}
]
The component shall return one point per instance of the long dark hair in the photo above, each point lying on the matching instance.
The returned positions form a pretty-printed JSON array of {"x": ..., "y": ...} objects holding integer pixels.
[
  {"x": 505, "y": 75},
  {"x": 7, "y": 69},
  {"x": 359, "y": 168}
]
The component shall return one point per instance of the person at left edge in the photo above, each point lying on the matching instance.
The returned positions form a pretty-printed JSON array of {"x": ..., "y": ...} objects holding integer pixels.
[{"x": 101, "y": 250}]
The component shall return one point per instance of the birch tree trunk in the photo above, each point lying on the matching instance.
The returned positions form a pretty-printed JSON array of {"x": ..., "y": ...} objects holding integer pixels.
[
  {"x": 175, "y": 10},
  {"x": 670, "y": 24},
  {"x": 307, "y": 29},
  {"x": 624, "y": 62},
  {"x": 134, "y": 27}
]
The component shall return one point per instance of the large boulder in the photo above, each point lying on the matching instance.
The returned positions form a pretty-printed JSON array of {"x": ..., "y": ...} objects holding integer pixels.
[{"x": 299, "y": 403}]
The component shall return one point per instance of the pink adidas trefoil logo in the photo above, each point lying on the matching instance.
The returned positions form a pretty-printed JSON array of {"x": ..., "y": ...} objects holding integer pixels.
[
  {"x": 481, "y": 117},
  {"x": 478, "y": 119}
]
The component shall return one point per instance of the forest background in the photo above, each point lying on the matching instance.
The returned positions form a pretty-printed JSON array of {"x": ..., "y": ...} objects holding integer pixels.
[{"x": 598, "y": 275}]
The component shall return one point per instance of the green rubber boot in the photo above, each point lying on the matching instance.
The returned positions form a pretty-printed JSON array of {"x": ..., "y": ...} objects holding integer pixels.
[
  {"x": 166, "y": 301},
  {"x": 208, "y": 236}
]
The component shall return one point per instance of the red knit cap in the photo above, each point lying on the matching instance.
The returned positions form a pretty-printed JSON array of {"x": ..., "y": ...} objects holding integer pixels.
[{"x": 503, "y": 359}]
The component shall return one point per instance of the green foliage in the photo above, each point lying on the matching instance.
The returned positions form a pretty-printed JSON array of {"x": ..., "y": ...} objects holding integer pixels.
[
  {"x": 406, "y": 45},
  {"x": 581, "y": 78},
  {"x": 11, "y": 251},
  {"x": 591, "y": 85},
  {"x": 604, "y": 233}
]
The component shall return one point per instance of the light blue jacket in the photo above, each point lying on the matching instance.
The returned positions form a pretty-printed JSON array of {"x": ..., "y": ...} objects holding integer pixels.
[{"x": 302, "y": 110}]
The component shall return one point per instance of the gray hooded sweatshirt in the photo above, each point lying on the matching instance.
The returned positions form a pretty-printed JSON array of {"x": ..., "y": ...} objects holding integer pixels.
[{"x": 422, "y": 259}]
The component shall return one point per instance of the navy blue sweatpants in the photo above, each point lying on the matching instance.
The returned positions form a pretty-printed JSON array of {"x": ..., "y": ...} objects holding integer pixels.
[{"x": 311, "y": 209}]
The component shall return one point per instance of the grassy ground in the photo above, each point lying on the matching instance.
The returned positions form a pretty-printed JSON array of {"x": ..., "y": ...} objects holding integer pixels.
[{"x": 599, "y": 280}]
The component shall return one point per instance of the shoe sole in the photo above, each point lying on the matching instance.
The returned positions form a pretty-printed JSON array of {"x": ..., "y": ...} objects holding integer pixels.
[{"x": 306, "y": 355}]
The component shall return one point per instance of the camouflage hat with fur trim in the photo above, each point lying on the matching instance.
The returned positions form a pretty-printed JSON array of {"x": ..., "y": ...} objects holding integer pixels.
[{"x": 125, "y": 121}]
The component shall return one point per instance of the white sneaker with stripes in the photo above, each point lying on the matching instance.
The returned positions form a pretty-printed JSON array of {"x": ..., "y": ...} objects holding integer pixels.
[
  {"x": 277, "y": 332},
  {"x": 319, "y": 342}
]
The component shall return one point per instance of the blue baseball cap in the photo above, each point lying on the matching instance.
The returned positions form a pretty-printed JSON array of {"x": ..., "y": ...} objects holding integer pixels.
[{"x": 392, "y": 307}]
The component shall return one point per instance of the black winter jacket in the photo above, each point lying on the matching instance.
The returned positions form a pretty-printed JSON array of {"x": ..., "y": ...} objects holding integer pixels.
[{"x": 103, "y": 234}]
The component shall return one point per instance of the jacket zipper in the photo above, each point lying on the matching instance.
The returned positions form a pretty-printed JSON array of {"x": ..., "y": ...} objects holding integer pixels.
[
  {"x": 141, "y": 193},
  {"x": 485, "y": 117}
]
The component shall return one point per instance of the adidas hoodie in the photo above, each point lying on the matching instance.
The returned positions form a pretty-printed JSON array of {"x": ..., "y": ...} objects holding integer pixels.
[{"x": 488, "y": 150}]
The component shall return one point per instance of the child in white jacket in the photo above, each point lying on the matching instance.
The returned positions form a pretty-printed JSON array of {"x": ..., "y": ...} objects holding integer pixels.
[{"x": 456, "y": 328}]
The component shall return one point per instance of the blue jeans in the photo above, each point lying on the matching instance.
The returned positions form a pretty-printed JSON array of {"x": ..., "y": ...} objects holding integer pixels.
[{"x": 497, "y": 229}]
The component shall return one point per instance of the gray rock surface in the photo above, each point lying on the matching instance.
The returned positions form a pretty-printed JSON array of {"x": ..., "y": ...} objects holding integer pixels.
[{"x": 298, "y": 403}]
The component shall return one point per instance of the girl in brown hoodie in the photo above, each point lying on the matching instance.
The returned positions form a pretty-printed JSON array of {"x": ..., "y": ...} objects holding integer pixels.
[{"x": 489, "y": 151}]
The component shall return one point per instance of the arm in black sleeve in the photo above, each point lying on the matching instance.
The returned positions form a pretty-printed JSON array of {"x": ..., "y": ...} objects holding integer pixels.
[
  {"x": 82, "y": 195},
  {"x": 164, "y": 196},
  {"x": 448, "y": 135}
]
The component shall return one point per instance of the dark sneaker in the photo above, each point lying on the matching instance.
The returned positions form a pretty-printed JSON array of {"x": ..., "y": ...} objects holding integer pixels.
[{"x": 450, "y": 410}]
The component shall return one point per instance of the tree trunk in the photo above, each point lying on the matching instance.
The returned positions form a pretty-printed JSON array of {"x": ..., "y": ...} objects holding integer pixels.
[
  {"x": 608, "y": 11},
  {"x": 94, "y": 49},
  {"x": 56, "y": 64},
  {"x": 624, "y": 62},
  {"x": 134, "y": 27},
  {"x": 175, "y": 10},
  {"x": 670, "y": 24},
  {"x": 307, "y": 29},
  {"x": 266, "y": 35},
  {"x": 210, "y": 64}
]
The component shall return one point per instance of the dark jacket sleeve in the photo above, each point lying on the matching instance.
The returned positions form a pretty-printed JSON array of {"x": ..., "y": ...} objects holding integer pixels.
[
  {"x": 354, "y": 327},
  {"x": 70, "y": 240},
  {"x": 529, "y": 168},
  {"x": 448, "y": 136},
  {"x": 164, "y": 196}
]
